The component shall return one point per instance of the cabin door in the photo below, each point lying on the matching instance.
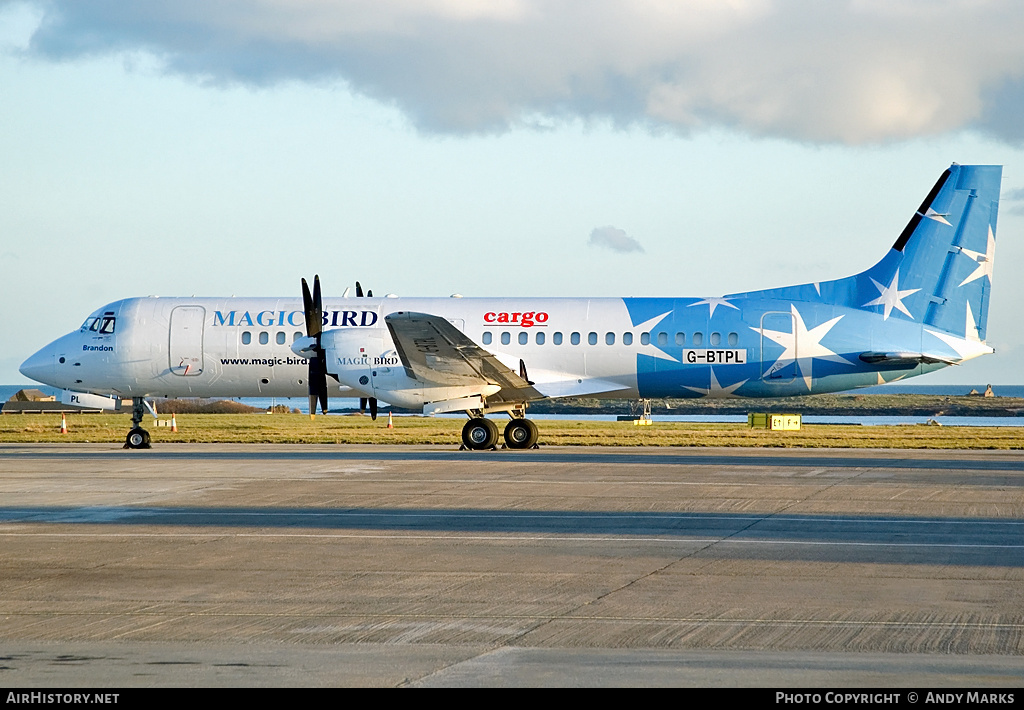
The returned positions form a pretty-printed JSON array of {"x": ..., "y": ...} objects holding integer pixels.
[
  {"x": 186, "y": 346},
  {"x": 774, "y": 368}
]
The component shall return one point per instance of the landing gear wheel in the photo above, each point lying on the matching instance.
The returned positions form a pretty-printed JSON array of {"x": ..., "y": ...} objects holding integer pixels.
[
  {"x": 137, "y": 438},
  {"x": 479, "y": 434},
  {"x": 520, "y": 434}
]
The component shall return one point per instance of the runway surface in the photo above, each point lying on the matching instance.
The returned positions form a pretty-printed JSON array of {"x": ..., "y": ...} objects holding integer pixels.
[{"x": 359, "y": 565}]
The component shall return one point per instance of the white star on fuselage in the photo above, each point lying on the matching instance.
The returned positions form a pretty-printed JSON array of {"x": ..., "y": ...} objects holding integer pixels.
[
  {"x": 715, "y": 390},
  {"x": 985, "y": 261},
  {"x": 810, "y": 346},
  {"x": 891, "y": 296},
  {"x": 655, "y": 351},
  {"x": 712, "y": 302}
]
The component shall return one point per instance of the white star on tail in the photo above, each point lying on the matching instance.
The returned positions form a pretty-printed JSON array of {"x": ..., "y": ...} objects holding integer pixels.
[
  {"x": 891, "y": 296},
  {"x": 712, "y": 302},
  {"x": 932, "y": 214},
  {"x": 809, "y": 342},
  {"x": 985, "y": 261},
  {"x": 715, "y": 390}
]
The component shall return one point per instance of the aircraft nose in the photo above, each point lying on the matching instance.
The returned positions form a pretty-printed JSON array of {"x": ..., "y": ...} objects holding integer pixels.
[{"x": 39, "y": 367}]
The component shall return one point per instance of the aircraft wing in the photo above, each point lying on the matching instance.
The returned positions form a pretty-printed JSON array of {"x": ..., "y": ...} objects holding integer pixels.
[{"x": 434, "y": 351}]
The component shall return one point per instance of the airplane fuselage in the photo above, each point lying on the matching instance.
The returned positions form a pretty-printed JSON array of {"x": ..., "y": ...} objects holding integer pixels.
[{"x": 621, "y": 348}]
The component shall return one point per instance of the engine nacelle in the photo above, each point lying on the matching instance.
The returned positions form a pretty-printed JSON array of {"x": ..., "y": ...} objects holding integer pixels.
[{"x": 366, "y": 360}]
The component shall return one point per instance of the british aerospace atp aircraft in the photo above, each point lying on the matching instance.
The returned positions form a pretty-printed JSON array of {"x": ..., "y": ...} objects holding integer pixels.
[{"x": 922, "y": 307}]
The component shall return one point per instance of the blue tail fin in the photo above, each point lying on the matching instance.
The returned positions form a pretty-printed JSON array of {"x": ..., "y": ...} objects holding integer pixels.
[{"x": 939, "y": 271}]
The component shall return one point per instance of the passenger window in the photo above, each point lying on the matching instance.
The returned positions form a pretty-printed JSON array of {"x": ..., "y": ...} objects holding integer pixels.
[
  {"x": 540, "y": 338},
  {"x": 574, "y": 338},
  {"x": 557, "y": 338},
  {"x": 698, "y": 338},
  {"x": 733, "y": 339},
  {"x": 487, "y": 337},
  {"x": 264, "y": 337},
  {"x": 680, "y": 338},
  {"x": 592, "y": 338},
  {"x": 609, "y": 338},
  {"x": 662, "y": 338},
  {"x": 645, "y": 338},
  {"x": 716, "y": 339},
  {"x": 506, "y": 338},
  {"x": 627, "y": 338},
  {"x": 296, "y": 335},
  {"x": 524, "y": 338},
  {"x": 280, "y": 338},
  {"x": 246, "y": 337}
]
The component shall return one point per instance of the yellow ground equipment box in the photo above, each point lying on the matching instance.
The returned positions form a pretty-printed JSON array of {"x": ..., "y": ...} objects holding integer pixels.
[{"x": 775, "y": 422}]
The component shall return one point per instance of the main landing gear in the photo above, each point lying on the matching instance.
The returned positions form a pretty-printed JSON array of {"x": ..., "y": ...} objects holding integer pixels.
[
  {"x": 480, "y": 433},
  {"x": 138, "y": 438}
]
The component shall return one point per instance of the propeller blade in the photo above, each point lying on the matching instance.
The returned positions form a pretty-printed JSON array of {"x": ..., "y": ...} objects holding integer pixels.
[
  {"x": 359, "y": 290},
  {"x": 369, "y": 294},
  {"x": 318, "y": 308},
  {"x": 317, "y": 382},
  {"x": 307, "y": 305},
  {"x": 313, "y": 307},
  {"x": 362, "y": 405},
  {"x": 373, "y": 408}
]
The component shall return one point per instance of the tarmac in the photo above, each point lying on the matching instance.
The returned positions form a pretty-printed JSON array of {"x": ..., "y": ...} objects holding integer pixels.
[{"x": 268, "y": 565}]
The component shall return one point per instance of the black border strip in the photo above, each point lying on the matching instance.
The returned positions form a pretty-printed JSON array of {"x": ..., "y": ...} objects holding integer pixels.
[{"x": 916, "y": 219}]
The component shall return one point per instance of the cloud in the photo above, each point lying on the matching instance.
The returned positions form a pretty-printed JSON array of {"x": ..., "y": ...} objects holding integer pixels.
[
  {"x": 1013, "y": 201},
  {"x": 614, "y": 239},
  {"x": 854, "y": 72}
]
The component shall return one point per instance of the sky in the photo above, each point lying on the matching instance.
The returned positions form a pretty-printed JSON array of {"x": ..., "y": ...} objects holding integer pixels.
[{"x": 490, "y": 148}]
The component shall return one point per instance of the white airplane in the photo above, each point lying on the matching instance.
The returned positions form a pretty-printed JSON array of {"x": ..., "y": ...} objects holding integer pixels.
[{"x": 922, "y": 307}]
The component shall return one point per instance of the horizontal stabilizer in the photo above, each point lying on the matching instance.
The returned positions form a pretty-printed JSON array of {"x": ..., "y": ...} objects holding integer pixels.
[{"x": 905, "y": 359}]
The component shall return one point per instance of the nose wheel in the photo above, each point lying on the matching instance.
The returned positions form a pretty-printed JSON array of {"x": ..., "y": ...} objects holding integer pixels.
[{"x": 138, "y": 438}]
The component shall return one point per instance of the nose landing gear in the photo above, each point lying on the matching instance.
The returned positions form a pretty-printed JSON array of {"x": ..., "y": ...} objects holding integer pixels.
[{"x": 138, "y": 438}]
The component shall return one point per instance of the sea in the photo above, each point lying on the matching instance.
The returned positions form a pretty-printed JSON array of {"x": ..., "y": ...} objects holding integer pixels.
[{"x": 346, "y": 406}]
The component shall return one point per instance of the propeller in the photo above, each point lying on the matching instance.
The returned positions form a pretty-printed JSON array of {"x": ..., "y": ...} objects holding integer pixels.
[
  {"x": 313, "y": 306},
  {"x": 363, "y": 400}
]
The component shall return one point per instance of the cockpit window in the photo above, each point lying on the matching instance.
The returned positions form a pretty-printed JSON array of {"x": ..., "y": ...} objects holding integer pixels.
[{"x": 100, "y": 324}]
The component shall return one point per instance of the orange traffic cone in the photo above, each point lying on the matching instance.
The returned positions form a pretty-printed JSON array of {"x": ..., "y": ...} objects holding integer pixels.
[
  {"x": 174, "y": 424},
  {"x": 391, "y": 422},
  {"x": 63, "y": 424}
]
